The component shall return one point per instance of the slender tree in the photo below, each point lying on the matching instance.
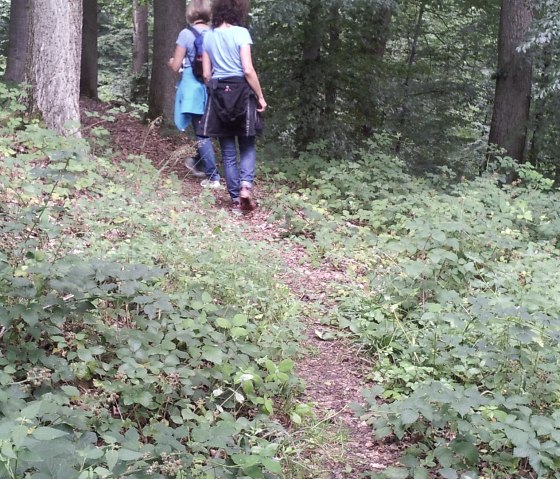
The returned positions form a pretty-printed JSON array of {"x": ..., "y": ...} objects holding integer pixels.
[
  {"x": 512, "y": 97},
  {"x": 139, "y": 90},
  {"x": 88, "y": 76},
  {"x": 18, "y": 38},
  {"x": 53, "y": 69},
  {"x": 140, "y": 36},
  {"x": 309, "y": 79},
  {"x": 413, "y": 47},
  {"x": 169, "y": 19}
]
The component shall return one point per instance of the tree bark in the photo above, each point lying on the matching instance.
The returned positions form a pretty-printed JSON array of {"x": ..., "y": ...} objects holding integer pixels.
[
  {"x": 17, "y": 41},
  {"x": 88, "y": 76},
  {"x": 512, "y": 97},
  {"x": 309, "y": 80},
  {"x": 140, "y": 36},
  {"x": 139, "y": 87},
  {"x": 169, "y": 19},
  {"x": 53, "y": 69},
  {"x": 410, "y": 63},
  {"x": 332, "y": 80}
]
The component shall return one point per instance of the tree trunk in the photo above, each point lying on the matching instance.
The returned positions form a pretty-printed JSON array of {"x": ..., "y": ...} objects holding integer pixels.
[
  {"x": 410, "y": 64},
  {"x": 139, "y": 87},
  {"x": 512, "y": 98},
  {"x": 169, "y": 19},
  {"x": 309, "y": 80},
  {"x": 53, "y": 69},
  {"x": 17, "y": 42},
  {"x": 88, "y": 77},
  {"x": 540, "y": 108},
  {"x": 380, "y": 31},
  {"x": 332, "y": 80},
  {"x": 140, "y": 36}
]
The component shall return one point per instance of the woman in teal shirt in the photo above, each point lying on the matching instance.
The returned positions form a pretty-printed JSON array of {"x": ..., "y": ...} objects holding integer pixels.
[{"x": 236, "y": 97}]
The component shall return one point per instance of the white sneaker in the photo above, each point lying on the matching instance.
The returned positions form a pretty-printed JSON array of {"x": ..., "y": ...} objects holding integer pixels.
[
  {"x": 211, "y": 184},
  {"x": 190, "y": 164}
]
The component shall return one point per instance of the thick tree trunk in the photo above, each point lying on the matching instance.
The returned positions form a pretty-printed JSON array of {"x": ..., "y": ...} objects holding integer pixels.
[
  {"x": 53, "y": 70},
  {"x": 139, "y": 87},
  {"x": 512, "y": 98},
  {"x": 88, "y": 78},
  {"x": 18, "y": 38},
  {"x": 169, "y": 19}
]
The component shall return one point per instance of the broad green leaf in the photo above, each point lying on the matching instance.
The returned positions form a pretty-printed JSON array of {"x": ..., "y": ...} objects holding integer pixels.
[
  {"x": 409, "y": 416},
  {"x": 448, "y": 473},
  {"x": 212, "y": 354},
  {"x": 272, "y": 466},
  {"x": 239, "y": 320},
  {"x": 395, "y": 473},
  {"x": 238, "y": 332},
  {"x": 223, "y": 323},
  {"x": 111, "y": 456},
  {"x": 48, "y": 433},
  {"x": 128, "y": 455},
  {"x": 19, "y": 435},
  {"x": 421, "y": 473}
]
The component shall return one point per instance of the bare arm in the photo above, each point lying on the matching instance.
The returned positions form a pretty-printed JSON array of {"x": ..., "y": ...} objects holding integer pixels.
[
  {"x": 206, "y": 67},
  {"x": 176, "y": 60},
  {"x": 251, "y": 75}
]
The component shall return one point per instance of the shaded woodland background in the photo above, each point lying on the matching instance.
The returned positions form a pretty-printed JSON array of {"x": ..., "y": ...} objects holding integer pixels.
[{"x": 444, "y": 78}]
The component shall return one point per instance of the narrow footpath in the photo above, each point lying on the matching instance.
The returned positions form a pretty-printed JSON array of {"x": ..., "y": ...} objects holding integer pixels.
[{"x": 333, "y": 369}]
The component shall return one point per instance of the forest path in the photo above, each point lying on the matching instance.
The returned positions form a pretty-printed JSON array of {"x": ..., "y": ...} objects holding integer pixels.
[{"x": 336, "y": 444}]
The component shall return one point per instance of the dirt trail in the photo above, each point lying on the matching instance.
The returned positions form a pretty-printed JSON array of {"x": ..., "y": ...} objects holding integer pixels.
[{"x": 334, "y": 371}]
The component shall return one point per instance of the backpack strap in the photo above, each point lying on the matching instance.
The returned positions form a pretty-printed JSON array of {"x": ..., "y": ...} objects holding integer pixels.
[
  {"x": 196, "y": 34},
  {"x": 194, "y": 31}
]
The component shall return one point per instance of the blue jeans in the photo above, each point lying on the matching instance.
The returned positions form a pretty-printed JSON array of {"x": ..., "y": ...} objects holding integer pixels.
[
  {"x": 205, "y": 160},
  {"x": 244, "y": 173}
]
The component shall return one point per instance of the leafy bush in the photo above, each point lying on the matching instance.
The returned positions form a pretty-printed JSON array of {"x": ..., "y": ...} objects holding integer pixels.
[
  {"x": 137, "y": 337},
  {"x": 455, "y": 294}
]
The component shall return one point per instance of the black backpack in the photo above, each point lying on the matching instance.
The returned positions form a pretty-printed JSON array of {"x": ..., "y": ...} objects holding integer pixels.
[{"x": 196, "y": 64}]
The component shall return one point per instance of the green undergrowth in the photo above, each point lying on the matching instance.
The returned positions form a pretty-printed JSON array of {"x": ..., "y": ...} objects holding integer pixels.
[
  {"x": 453, "y": 292},
  {"x": 141, "y": 333}
]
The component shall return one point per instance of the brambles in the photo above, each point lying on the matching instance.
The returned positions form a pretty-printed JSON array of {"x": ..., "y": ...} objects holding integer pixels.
[
  {"x": 454, "y": 296},
  {"x": 136, "y": 337}
]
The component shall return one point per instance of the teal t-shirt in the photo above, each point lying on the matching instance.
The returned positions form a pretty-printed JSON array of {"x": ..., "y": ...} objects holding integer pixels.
[{"x": 222, "y": 45}]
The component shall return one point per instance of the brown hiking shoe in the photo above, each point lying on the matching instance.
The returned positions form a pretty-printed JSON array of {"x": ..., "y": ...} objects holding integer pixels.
[{"x": 246, "y": 199}]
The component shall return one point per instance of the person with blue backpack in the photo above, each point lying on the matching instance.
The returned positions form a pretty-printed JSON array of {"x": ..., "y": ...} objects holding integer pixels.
[{"x": 191, "y": 95}]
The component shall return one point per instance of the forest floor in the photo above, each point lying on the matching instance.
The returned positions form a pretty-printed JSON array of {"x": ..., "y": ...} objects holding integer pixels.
[{"x": 338, "y": 444}]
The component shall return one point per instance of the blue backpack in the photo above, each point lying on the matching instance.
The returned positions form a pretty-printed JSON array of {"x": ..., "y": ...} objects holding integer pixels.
[{"x": 196, "y": 64}]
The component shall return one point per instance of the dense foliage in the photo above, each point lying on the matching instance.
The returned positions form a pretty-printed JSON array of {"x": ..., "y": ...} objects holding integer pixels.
[
  {"x": 136, "y": 337},
  {"x": 455, "y": 298}
]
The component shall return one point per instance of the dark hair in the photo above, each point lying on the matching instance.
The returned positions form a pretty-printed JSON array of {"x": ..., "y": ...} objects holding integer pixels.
[{"x": 234, "y": 12}]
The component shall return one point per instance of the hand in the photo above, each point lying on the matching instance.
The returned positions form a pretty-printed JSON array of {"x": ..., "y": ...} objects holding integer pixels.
[{"x": 262, "y": 105}]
